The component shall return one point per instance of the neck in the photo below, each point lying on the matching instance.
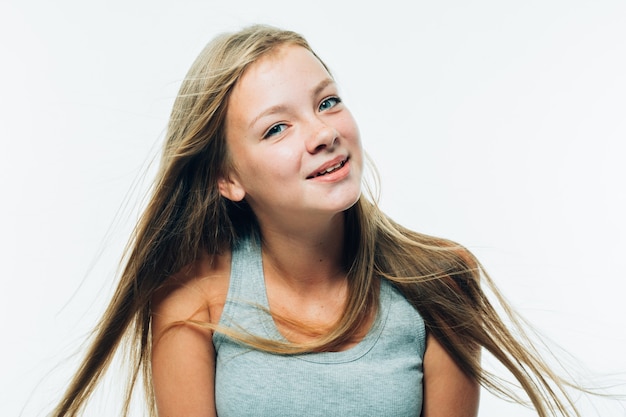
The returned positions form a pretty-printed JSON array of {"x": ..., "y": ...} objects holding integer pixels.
[{"x": 306, "y": 259}]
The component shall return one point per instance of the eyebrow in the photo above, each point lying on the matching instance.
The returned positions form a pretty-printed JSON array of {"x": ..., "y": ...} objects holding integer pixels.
[{"x": 281, "y": 107}]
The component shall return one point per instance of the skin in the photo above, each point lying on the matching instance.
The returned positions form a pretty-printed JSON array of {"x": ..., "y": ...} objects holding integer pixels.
[{"x": 285, "y": 124}]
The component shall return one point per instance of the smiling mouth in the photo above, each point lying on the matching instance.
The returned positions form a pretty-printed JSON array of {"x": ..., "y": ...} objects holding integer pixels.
[{"x": 330, "y": 169}]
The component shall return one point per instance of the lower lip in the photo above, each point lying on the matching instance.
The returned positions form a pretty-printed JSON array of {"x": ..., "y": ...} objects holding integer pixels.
[{"x": 336, "y": 175}]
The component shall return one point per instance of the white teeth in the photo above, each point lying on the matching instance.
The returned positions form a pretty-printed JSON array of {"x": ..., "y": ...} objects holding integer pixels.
[{"x": 331, "y": 169}]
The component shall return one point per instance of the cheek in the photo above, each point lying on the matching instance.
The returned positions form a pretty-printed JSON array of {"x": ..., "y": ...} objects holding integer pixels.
[
  {"x": 283, "y": 161},
  {"x": 267, "y": 166},
  {"x": 348, "y": 128}
]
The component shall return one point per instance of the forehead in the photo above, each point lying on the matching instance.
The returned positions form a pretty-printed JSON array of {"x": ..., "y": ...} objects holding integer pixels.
[
  {"x": 286, "y": 57},
  {"x": 285, "y": 71}
]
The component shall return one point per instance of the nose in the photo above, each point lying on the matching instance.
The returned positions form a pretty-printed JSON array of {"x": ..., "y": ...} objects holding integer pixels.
[{"x": 323, "y": 138}]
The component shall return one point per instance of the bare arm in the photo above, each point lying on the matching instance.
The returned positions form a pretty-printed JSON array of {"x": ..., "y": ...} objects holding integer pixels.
[
  {"x": 448, "y": 392},
  {"x": 183, "y": 356}
]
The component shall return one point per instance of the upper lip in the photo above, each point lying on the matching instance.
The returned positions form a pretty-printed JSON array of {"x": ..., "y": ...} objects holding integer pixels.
[{"x": 328, "y": 164}]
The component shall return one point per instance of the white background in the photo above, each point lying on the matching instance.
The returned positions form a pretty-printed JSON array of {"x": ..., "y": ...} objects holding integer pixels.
[{"x": 498, "y": 124}]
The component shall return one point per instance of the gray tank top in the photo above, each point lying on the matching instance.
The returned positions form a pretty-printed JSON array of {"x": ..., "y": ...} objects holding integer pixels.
[{"x": 380, "y": 376}]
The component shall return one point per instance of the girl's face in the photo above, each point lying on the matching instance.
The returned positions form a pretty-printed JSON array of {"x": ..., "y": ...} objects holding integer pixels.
[{"x": 294, "y": 145}]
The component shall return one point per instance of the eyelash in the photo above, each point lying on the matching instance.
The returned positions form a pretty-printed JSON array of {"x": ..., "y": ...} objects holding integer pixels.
[
  {"x": 273, "y": 130},
  {"x": 335, "y": 98}
]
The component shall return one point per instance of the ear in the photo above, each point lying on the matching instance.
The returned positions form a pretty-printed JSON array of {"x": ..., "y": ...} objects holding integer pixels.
[{"x": 231, "y": 188}]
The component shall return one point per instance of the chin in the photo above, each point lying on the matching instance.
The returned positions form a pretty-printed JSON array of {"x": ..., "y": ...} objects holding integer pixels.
[{"x": 349, "y": 203}]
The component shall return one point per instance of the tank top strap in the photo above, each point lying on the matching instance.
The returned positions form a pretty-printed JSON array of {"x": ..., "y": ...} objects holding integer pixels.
[
  {"x": 247, "y": 308},
  {"x": 247, "y": 281}
]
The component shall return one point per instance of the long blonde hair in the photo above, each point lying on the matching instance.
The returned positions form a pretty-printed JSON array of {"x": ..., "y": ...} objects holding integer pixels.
[{"x": 186, "y": 215}]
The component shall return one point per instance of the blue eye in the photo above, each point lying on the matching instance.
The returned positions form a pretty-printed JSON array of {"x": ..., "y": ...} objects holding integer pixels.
[
  {"x": 329, "y": 103},
  {"x": 275, "y": 130}
]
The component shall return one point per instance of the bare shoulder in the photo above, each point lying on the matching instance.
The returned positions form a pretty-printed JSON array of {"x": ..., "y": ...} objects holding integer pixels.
[
  {"x": 196, "y": 292},
  {"x": 463, "y": 254},
  {"x": 448, "y": 391},
  {"x": 183, "y": 357}
]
